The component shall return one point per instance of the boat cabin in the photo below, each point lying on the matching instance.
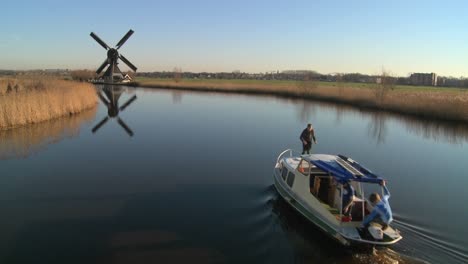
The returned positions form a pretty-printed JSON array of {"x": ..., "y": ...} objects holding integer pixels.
[{"x": 317, "y": 176}]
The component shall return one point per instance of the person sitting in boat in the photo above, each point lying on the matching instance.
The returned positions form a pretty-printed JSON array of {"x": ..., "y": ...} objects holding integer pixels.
[
  {"x": 348, "y": 198},
  {"x": 306, "y": 138},
  {"x": 382, "y": 213}
]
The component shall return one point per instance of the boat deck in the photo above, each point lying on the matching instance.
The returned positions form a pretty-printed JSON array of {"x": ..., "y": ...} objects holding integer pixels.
[
  {"x": 332, "y": 210},
  {"x": 293, "y": 161}
]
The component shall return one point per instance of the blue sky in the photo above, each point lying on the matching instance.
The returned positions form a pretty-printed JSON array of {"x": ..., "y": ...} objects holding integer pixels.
[{"x": 251, "y": 36}]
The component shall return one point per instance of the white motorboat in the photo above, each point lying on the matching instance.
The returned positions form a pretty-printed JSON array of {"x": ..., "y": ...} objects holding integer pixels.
[{"x": 313, "y": 185}]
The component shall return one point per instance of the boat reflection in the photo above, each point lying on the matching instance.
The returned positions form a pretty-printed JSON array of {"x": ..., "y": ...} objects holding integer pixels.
[{"x": 110, "y": 99}]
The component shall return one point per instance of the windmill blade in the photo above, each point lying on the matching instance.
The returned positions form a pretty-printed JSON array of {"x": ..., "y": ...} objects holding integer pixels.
[
  {"x": 100, "y": 124},
  {"x": 129, "y": 64},
  {"x": 102, "y": 43},
  {"x": 103, "y": 99},
  {"x": 128, "y": 103},
  {"x": 103, "y": 65},
  {"x": 122, "y": 41},
  {"x": 127, "y": 129}
]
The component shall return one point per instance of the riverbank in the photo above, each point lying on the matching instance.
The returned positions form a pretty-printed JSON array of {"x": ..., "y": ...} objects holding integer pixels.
[
  {"x": 36, "y": 99},
  {"x": 428, "y": 102}
]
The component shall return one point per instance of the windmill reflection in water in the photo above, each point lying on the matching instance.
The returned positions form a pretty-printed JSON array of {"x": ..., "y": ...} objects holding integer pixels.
[{"x": 111, "y": 100}]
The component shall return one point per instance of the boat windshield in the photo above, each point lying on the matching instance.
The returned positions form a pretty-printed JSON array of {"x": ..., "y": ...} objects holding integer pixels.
[{"x": 304, "y": 167}]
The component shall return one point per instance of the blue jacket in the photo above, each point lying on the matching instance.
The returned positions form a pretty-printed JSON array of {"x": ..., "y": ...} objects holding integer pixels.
[{"x": 381, "y": 209}]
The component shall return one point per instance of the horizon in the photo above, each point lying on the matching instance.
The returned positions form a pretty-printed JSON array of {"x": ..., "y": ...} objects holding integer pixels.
[
  {"x": 327, "y": 37},
  {"x": 243, "y": 72}
]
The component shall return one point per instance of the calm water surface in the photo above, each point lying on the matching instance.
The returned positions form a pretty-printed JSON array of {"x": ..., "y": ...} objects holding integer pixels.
[{"x": 194, "y": 183}]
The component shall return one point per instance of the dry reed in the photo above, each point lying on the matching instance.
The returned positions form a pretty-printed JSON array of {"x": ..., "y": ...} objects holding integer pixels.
[
  {"x": 36, "y": 99},
  {"x": 439, "y": 104}
]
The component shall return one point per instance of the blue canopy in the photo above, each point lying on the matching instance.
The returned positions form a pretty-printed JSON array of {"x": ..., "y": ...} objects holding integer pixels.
[{"x": 342, "y": 174}]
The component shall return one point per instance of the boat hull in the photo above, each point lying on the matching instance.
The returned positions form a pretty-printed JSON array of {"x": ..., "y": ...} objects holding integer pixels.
[{"x": 288, "y": 196}]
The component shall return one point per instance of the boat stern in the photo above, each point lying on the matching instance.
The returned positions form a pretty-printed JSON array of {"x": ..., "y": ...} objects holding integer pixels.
[{"x": 362, "y": 236}]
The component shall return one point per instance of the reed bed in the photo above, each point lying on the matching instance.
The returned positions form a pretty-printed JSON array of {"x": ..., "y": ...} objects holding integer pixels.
[
  {"x": 443, "y": 103},
  {"x": 32, "y": 100}
]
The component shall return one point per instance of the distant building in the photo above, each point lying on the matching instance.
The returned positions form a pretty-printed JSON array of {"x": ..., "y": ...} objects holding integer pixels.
[
  {"x": 127, "y": 78},
  {"x": 427, "y": 79}
]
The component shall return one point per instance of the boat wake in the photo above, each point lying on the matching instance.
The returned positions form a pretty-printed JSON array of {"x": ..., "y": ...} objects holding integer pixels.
[
  {"x": 312, "y": 245},
  {"x": 269, "y": 230},
  {"x": 419, "y": 240}
]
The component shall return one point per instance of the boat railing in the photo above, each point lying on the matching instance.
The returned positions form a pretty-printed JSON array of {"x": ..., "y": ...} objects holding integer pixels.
[{"x": 290, "y": 151}]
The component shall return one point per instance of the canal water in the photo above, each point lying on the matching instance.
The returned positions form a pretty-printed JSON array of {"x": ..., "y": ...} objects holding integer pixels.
[{"x": 176, "y": 177}]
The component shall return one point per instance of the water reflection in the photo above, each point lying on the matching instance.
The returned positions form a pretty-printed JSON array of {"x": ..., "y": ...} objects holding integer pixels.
[
  {"x": 306, "y": 111},
  {"x": 377, "y": 127},
  {"x": 23, "y": 141},
  {"x": 177, "y": 96},
  {"x": 111, "y": 101},
  {"x": 454, "y": 133},
  {"x": 137, "y": 210},
  {"x": 451, "y": 132}
]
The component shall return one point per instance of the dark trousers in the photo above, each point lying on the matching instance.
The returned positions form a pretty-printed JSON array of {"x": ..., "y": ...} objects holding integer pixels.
[{"x": 306, "y": 147}]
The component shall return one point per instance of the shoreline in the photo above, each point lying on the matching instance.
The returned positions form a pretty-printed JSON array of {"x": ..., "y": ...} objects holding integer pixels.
[{"x": 445, "y": 105}]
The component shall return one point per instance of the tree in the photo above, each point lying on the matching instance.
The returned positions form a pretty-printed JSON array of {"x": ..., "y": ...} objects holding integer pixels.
[
  {"x": 308, "y": 82},
  {"x": 177, "y": 74},
  {"x": 340, "y": 83},
  {"x": 83, "y": 75},
  {"x": 385, "y": 83}
]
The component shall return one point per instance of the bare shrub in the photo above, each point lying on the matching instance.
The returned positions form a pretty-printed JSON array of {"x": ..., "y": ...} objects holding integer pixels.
[
  {"x": 384, "y": 85},
  {"x": 177, "y": 74},
  {"x": 307, "y": 84},
  {"x": 83, "y": 75},
  {"x": 340, "y": 83}
]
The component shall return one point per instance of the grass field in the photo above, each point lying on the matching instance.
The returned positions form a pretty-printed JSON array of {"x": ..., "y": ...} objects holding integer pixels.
[
  {"x": 429, "y": 102},
  {"x": 31, "y": 100},
  {"x": 280, "y": 83}
]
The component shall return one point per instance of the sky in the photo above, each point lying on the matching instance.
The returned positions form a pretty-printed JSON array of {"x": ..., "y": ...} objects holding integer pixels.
[{"x": 400, "y": 37}]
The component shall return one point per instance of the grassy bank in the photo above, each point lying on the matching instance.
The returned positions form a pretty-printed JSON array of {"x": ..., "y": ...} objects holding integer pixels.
[
  {"x": 36, "y": 99},
  {"x": 429, "y": 102}
]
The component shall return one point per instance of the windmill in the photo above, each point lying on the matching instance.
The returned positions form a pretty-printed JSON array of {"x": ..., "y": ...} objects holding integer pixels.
[
  {"x": 113, "y": 72},
  {"x": 112, "y": 102}
]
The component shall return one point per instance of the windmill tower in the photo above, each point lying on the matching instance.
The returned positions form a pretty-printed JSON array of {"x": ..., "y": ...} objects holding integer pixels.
[{"x": 113, "y": 73}]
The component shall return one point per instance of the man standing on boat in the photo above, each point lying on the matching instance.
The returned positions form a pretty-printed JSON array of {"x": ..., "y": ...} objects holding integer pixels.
[{"x": 306, "y": 138}]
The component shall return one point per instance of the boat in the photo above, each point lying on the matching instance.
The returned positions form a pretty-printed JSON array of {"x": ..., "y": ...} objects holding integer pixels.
[{"x": 313, "y": 184}]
